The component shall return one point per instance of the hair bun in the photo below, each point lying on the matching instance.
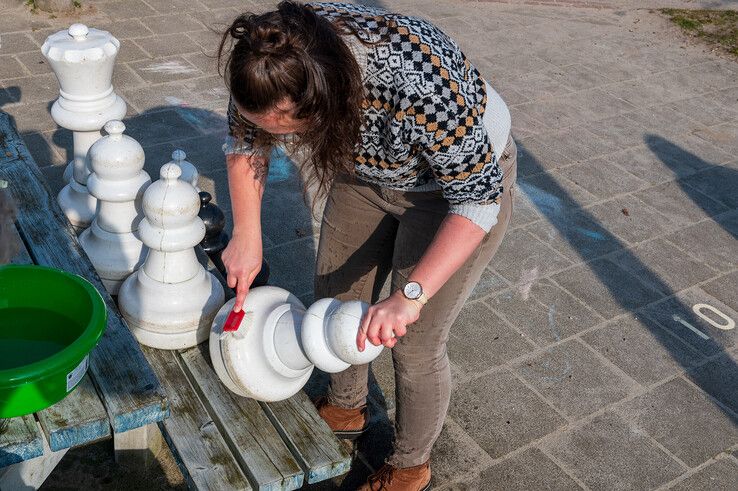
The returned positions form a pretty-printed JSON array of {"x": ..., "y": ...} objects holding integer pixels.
[
  {"x": 262, "y": 39},
  {"x": 269, "y": 40}
]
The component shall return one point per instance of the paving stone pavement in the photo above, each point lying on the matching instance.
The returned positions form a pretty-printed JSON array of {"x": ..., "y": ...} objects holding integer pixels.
[{"x": 583, "y": 358}]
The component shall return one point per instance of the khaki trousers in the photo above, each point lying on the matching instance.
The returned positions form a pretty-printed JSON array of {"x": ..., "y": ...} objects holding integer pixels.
[{"x": 368, "y": 232}]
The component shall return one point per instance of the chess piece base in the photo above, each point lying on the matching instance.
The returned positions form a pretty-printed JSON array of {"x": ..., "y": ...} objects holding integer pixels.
[
  {"x": 77, "y": 204},
  {"x": 178, "y": 315},
  {"x": 247, "y": 361},
  {"x": 115, "y": 256}
]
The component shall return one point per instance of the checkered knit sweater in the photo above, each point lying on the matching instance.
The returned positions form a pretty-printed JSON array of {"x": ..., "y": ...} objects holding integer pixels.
[{"x": 423, "y": 113}]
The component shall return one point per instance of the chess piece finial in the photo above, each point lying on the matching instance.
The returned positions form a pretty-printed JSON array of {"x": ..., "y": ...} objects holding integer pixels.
[
  {"x": 78, "y": 31},
  {"x": 115, "y": 129},
  {"x": 189, "y": 171},
  {"x": 178, "y": 156}
]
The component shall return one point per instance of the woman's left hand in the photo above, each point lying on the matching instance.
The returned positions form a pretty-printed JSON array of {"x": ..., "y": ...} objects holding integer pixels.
[{"x": 387, "y": 320}]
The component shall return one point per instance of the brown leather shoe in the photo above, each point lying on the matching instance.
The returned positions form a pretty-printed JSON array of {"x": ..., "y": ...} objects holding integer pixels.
[
  {"x": 389, "y": 478},
  {"x": 348, "y": 424}
]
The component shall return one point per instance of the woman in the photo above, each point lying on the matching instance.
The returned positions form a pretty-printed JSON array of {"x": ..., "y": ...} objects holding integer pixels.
[{"x": 414, "y": 149}]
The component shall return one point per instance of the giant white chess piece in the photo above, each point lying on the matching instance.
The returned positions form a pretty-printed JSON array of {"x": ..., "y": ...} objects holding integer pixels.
[
  {"x": 118, "y": 181},
  {"x": 170, "y": 302},
  {"x": 82, "y": 59},
  {"x": 271, "y": 353}
]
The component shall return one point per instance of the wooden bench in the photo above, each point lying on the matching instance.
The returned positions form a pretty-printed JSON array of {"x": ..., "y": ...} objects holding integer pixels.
[{"x": 120, "y": 397}]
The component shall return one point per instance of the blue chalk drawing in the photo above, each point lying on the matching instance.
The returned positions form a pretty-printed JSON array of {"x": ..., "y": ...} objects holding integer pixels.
[
  {"x": 199, "y": 118},
  {"x": 549, "y": 204},
  {"x": 553, "y": 207},
  {"x": 281, "y": 167},
  {"x": 590, "y": 233}
]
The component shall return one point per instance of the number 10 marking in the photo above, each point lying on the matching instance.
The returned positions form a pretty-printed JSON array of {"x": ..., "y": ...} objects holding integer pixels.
[{"x": 698, "y": 310}]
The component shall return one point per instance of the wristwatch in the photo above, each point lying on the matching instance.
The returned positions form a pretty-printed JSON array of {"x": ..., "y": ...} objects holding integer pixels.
[{"x": 413, "y": 291}]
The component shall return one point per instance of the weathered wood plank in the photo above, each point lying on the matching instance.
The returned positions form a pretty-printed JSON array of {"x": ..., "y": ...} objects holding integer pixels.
[
  {"x": 130, "y": 391},
  {"x": 310, "y": 439},
  {"x": 12, "y": 146},
  {"x": 203, "y": 456},
  {"x": 253, "y": 440},
  {"x": 77, "y": 419},
  {"x": 31, "y": 474},
  {"x": 21, "y": 257},
  {"x": 20, "y": 440}
]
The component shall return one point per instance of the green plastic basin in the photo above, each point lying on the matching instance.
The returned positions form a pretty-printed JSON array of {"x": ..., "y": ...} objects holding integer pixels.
[{"x": 49, "y": 322}]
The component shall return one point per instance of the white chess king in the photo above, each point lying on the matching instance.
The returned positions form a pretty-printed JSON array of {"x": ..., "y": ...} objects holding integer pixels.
[
  {"x": 271, "y": 353},
  {"x": 170, "y": 302},
  {"x": 118, "y": 181},
  {"x": 82, "y": 59}
]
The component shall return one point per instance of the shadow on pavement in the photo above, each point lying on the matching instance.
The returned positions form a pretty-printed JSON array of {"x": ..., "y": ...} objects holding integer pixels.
[
  {"x": 712, "y": 182},
  {"x": 663, "y": 312}
]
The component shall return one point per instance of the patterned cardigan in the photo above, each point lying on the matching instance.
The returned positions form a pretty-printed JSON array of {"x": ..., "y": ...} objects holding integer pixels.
[{"x": 423, "y": 113}]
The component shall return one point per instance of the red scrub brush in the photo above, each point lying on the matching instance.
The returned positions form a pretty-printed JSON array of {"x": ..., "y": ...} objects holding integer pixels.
[{"x": 233, "y": 321}]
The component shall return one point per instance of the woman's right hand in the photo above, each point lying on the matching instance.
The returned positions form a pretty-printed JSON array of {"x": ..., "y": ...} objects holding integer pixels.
[{"x": 242, "y": 259}]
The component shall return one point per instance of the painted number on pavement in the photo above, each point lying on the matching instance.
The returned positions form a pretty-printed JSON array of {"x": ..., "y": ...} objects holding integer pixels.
[
  {"x": 699, "y": 309},
  {"x": 729, "y": 322}
]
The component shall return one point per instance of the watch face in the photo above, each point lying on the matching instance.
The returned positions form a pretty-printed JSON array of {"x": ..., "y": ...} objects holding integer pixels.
[{"x": 413, "y": 290}]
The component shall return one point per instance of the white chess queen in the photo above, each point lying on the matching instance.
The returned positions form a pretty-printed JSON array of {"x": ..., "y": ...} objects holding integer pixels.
[{"x": 82, "y": 59}]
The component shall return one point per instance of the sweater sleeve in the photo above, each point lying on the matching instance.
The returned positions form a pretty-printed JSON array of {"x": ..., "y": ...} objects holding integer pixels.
[
  {"x": 241, "y": 132},
  {"x": 484, "y": 216},
  {"x": 460, "y": 154}
]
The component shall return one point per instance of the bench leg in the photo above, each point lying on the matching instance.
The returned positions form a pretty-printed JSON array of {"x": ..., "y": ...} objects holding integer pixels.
[
  {"x": 31, "y": 474},
  {"x": 136, "y": 448}
]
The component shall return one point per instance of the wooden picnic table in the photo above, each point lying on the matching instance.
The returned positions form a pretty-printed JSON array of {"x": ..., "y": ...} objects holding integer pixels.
[{"x": 220, "y": 440}]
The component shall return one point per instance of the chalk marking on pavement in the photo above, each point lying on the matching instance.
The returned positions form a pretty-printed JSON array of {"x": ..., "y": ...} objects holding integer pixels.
[
  {"x": 690, "y": 327},
  {"x": 172, "y": 67},
  {"x": 526, "y": 282},
  {"x": 552, "y": 321},
  {"x": 699, "y": 307}
]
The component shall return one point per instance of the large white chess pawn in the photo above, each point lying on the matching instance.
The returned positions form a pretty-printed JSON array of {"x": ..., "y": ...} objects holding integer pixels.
[
  {"x": 82, "y": 59},
  {"x": 170, "y": 302},
  {"x": 118, "y": 181},
  {"x": 271, "y": 353},
  {"x": 189, "y": 171}
]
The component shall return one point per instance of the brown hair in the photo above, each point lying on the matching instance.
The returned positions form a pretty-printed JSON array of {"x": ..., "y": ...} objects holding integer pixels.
[{"x": 296, "y": 54}]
